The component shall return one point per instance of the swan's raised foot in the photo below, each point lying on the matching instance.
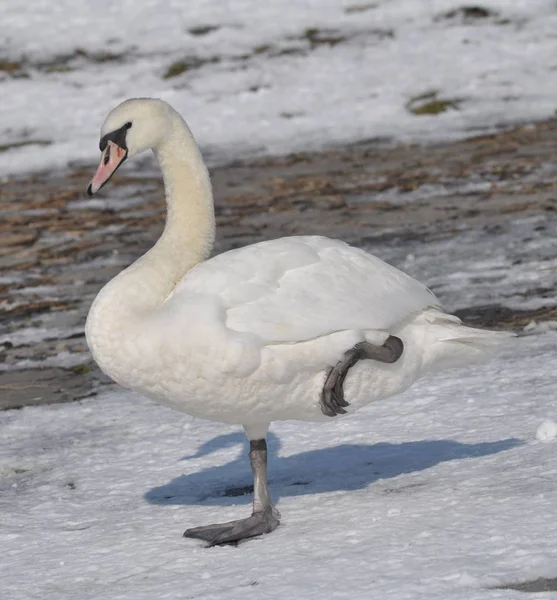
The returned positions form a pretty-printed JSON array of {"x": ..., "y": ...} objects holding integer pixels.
[
  {"x": 332, "y": 397},
  {"x": 258, "y": 523}
]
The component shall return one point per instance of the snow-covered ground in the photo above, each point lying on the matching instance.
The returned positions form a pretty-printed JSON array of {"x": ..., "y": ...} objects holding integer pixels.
[
  {"x": 441, "y": 493},
  {"x": 256, "y": 77}
]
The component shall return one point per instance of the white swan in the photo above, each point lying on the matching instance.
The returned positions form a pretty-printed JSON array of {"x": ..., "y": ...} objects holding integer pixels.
[{"x": 263, "y": 333}]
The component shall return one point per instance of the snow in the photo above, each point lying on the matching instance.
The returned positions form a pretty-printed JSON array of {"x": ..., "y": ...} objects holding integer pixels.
[
  {"x": 32, "y": 335},
  {"x": 61, "y": 360},
  {"x": 546, "y": 431},
  {"x": 270, "y": 77},
  {"x": 443, "y": 492},
  {"x": 475, "y": 267}
]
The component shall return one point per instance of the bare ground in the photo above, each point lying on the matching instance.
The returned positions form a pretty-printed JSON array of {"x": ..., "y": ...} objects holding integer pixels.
[{"x": 57, "y": 249}]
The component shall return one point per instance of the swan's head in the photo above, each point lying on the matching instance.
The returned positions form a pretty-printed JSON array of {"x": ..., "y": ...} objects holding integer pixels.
[{"x": 132, "y": 127}]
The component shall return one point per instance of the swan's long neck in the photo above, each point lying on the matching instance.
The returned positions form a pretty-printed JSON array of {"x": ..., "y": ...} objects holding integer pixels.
[
  {"x": 187, "y": 239},
  {"x": 190, "y": 223}
]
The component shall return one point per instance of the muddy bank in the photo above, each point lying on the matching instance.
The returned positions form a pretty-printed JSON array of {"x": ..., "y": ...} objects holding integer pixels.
[{"x": 58, "y": 248}]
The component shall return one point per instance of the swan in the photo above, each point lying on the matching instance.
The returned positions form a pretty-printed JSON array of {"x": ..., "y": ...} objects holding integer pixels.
[{"x": 305, "y": 328}]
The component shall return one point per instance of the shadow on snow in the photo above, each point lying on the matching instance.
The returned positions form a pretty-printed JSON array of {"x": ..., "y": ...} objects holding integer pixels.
[{"x": 344, "y": 467}]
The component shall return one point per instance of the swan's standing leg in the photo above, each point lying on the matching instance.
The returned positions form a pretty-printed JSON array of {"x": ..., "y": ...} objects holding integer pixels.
[
  {"x": 332, "y": 398},
  {"x": 264, "y": 518}
]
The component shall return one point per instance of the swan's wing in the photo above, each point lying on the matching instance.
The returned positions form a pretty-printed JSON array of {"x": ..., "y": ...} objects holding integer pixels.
[{"x": 299, "y": 288}]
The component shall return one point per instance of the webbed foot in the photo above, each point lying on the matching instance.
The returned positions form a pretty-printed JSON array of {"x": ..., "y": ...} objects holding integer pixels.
[
  {"x": 332, "y": 398},
  {"x": 258, "y": 523},
  {"x": 264, "y": 518}
]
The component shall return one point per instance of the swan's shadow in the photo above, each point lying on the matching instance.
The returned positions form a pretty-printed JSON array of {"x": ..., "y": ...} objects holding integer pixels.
[{"x": 343, "y": 467}]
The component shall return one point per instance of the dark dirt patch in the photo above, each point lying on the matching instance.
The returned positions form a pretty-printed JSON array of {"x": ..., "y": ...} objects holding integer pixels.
[
  {"x": 29, "y": 387},
  {"x": 404, "y": 489},
  {"x": 535, "y": 586},
  {"x": 189, "y": 63},
  {"x": 468, "y": 13},
  {"x": 21, "y": 144},
  {"x": 495, "y": 316},
  {"x": 233, "y": 492},
  {"x": 317, "y": 37},
  {"x": 359, "y": 8},
  {"x": 9, "y": 66},
  {"x": 60, "y": 63},
  {"x": 429, "y": 104},
  {"x": 203, "y": 30}
]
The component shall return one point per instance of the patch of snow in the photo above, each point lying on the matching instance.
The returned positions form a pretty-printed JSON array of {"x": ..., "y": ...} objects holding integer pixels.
[
  {"x": 31, "y": 335},
  {"x": 514, "y": 266},
  {"x": 546, "y": 431},
  {"x": 62, "y": 360},
  {"x": 270, "y": 77},
  {"x": 439, "y": 493}
]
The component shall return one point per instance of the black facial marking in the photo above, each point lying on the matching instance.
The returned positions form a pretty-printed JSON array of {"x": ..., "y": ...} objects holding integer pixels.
[
  {"x": 118, "y": 137},
  {"x": 107, "y": 156}
]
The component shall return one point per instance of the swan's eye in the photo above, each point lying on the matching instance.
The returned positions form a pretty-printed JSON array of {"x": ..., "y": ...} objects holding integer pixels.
[{"x": 118, "y": 136}]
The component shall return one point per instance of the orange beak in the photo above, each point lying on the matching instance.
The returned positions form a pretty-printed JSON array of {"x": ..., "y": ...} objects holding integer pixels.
[{"x": 111, "y": 158}]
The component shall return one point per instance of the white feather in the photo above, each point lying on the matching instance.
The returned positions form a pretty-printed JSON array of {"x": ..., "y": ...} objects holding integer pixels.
[
  {"x": 299, "y": 288},
  {"x": 248, "y": 337}
]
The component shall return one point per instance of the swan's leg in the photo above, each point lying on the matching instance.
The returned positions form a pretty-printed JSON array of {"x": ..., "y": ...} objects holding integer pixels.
[
  {"x": 264, "y": 518},
  {"x": 332, "y": 398}
]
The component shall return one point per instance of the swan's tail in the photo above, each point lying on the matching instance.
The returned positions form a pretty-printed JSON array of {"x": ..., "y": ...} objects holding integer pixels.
[{"x": 449, "y": 343}]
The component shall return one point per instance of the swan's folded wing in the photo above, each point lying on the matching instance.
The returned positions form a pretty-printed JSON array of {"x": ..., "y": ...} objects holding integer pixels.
[{"x": 301, "y": 288}]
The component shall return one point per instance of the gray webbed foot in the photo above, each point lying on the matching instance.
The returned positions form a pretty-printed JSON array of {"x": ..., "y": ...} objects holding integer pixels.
[
  {"x": 264, "y": 518},
  {"x": 234, "y": 531},
  {"x": 332, "y": 398}
]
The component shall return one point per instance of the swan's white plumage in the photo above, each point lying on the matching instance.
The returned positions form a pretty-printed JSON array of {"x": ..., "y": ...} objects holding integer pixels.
[
  {"x": 300, "y": 288},
  {"x": 248, "y": 337}
]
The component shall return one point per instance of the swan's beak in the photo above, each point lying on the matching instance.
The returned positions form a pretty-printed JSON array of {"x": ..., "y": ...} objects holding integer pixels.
[{"x": 111, "y": 158}]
